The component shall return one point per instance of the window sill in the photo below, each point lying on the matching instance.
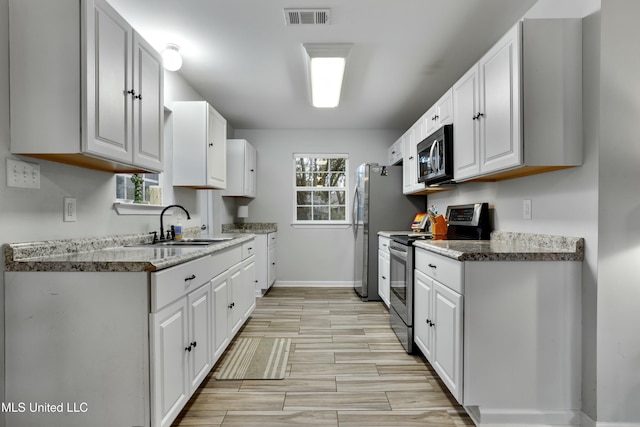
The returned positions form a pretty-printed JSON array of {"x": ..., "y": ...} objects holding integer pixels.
[
  {"x": 123, "y": 208},
  {"x": 330, "y": 225}
]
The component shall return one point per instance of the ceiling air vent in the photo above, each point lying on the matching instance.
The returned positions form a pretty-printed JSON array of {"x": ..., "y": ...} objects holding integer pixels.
[{"x": 307, "y": 16}]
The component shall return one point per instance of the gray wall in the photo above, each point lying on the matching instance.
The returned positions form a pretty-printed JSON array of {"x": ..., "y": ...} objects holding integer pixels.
[
  {"x": 618, "y": 364},
  {"x": 309, "y": 255}
]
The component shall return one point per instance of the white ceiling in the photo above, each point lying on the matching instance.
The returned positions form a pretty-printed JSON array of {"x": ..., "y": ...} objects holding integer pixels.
[{"x": 242, "y": 58}]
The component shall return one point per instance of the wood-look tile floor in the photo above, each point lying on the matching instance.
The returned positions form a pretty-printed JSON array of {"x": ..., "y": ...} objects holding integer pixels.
[{"x": 346, "y": 368}]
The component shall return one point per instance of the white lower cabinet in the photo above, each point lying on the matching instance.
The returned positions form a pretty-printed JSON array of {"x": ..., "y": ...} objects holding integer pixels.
[
  {"x": 169, "y": 380},
  {"x": 438, "y": 321},
  {"x": 182, "y": 348},
  {"x": 265, "y": 264},
  {"x": 190, "y": 334},
  {"x": 384, "y": 268},
  {"x": 503, "y": 336}
]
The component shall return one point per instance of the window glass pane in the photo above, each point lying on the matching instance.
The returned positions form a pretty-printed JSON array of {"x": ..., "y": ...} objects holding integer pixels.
[
  {"x": 304, "y": 180},
  {"x": 337, "y": 198},
  {"x": 120, "y": 187},
  {"x": 303, "y": 198},
  {"x": 321, "y": 165},
  {"x": 321, "y": 213},
  {"x": 338, "y": 164},
  {"x": 337, "y": 179},
  {"x": 130, "y": 188},
  {"x": 338, "y": 213},
  {"x": 320, "y": 198},
  {"x": 321, "y": 179},
  {"x": 304, "y": 164},
  {"x": 304, "y": 214}
]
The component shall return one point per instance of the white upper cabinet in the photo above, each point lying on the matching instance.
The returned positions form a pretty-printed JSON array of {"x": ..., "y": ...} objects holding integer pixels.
[
  {"x": 410, "y": 182},
  {"x": 241, "y": 169},
  {"x": 99, "y": 101},
  {"x": 199, "y": 146},
  {"x": 394, "y": 152},
  {"x": 518, "y": 111},
  {"x": 440, "y": 114}
]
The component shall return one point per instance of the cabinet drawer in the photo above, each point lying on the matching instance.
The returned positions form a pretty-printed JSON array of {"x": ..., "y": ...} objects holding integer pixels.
[
  {"x": 172, "y": 283},
  {"x": 248, "y": 249},
  {"x": 445, "y": 270},
  {"x": 383, "y": 243}
]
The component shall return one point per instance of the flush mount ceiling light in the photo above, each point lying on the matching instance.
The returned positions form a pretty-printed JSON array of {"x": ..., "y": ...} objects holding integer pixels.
[
  {"x": 326, "y": 64},
  {"x": 171, "y": 58}
]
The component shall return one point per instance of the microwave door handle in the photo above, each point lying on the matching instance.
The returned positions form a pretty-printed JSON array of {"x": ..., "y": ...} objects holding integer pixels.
[{"x": 433, "y": 146}]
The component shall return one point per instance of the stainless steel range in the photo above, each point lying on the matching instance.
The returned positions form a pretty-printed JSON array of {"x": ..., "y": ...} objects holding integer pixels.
[{"x": 466, "y": 222}]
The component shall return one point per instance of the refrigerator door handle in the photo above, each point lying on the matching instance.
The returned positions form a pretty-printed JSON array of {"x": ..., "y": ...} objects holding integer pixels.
[{"x": 354, "y": 211}]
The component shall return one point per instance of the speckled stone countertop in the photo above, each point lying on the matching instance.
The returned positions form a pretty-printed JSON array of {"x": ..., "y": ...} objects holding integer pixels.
[
  {"x": 402, "y": 233},
  {"x": 106, "y": 254},
  {"x": 509, "y": 246},
  {"x": 251, "y": 227}
]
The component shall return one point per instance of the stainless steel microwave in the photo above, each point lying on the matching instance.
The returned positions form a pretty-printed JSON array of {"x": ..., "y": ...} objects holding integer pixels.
[{"x": 435, "y": 157}]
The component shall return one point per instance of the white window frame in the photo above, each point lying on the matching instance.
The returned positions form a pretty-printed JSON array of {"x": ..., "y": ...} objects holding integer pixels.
[
  {"x": 127, "y": 207},
  {"x": 320, "y": 223}
]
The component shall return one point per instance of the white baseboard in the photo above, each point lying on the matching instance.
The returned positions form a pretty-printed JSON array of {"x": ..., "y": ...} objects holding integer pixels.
[
  {"x": 309, "y": 284},
  {"x": 523, "y": 418},
  {"x": 588, "y": 422}
]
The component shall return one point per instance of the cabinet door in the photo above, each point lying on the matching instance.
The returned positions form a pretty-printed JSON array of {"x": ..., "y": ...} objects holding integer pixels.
[
  {"x": 235, "y": 282},
  {"x": 445, "y": 109},
  {"x": 251, "y": 162},
  {"x": 247, "y": 298},
  {"x": 221, "y": 314},
  {"x": 500, "y": 125},
  {"x": 431, "y": 121},
  {"x": 148, "y": 108},
  {"x": 383, "y": 276},
  {"x": 422, "y": 313},
  {"x": 109, "y": 84},
  {"x": 271, "y": 265},
  {"x": 170, "y": 385},
  {"x": 466, "y": 132},
  {"x": 200, "y": 324},
  {"x": 216, "y": 149},
  {"x": 410, "y": 162},
  {"x": 447, "y": 338}
]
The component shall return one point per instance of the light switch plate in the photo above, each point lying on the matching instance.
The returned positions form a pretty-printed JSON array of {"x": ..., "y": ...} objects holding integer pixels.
[
  {"x": 526, "y": 209},
  {"x": 69, "y": 214},
  {"x": 23, "y": 174}
]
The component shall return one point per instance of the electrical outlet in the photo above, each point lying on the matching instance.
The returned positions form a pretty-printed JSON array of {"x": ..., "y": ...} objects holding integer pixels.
[
  {"x": 69, "y": 214},
  {"x": 23, "y": 174},
  {"x": 526, "y": 209}
]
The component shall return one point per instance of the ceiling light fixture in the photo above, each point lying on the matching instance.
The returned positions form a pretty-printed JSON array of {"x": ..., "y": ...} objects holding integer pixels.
[
  {"x": 171, "y": 58},
  {"x": 326, "y": 63}
]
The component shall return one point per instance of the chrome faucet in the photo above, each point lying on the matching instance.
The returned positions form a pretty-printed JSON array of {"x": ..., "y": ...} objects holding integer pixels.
[{"x": 162, "y": 216}]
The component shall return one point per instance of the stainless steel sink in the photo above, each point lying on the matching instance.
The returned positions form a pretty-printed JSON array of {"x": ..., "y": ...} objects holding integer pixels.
[{"x": 198, "y": 241}]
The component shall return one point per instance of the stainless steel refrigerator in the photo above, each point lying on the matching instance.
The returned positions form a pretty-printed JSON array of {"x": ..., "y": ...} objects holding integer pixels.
[{"x": 378, "y": 205}]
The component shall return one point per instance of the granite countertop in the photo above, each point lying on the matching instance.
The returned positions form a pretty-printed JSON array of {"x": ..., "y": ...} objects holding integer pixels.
[
  {"x": 106, "y": 254},
  {"x": 509, "y": 246},
  {"x": 251, "y": 227},
  {"x": 402, "y": 233}
]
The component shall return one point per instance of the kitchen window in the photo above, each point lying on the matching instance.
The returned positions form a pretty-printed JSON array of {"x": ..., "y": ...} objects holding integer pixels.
[
  {"x": 320, "y": 188},
  {"x": 124, "y": 186}
]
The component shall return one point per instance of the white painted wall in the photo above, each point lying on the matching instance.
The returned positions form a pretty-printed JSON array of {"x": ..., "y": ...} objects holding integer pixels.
[
  {"x": 619, "y": 208},
  {"x": 317, "y": 254}
]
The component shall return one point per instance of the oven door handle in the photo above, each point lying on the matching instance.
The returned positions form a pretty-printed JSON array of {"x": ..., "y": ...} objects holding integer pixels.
[{"x": 399, "y": 253}]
